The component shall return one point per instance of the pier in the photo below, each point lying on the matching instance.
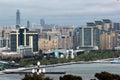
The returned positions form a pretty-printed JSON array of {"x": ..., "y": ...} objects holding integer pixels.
[
  {"x": 32, "y": 73},
  {"x": 33, "y": 69}
]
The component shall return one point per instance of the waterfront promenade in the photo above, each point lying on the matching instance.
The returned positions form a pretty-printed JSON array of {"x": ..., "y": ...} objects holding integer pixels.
[
  {"x": 20, "y": 70},
  {"x": 86, "y": 71}
]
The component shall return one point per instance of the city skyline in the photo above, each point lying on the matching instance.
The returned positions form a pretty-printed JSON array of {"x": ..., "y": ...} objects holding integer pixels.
[{"x": 61, "y": 12}]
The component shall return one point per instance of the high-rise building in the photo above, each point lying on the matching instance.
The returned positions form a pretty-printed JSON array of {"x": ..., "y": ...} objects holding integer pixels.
[
  {"x": 2, "y": 42},
  {"x": 118, "y": 38},
  {"x": 49, "y": 40},
  {"x": 28, "y": 24},
  {"x": 6, "y": 35},
  {"x": 107, "y": 24},
  {"x": 23, "y": 36},
  {"x": 17, "y": 19},
  {"x": 99, "y": 25},
  {"x": 90, "y": 24},
  {"x": 65, "y": 42},
  {"x": 108, "y": 40},
  {"x": 116, "y": 26},
  {"x": 66, "y": 37},
  {"x": 86, "y": 37},
  {"x": 42, "y": 22}
]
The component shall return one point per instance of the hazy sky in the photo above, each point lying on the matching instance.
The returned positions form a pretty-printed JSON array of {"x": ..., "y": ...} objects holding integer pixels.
[{"x": 62, "y": 12}]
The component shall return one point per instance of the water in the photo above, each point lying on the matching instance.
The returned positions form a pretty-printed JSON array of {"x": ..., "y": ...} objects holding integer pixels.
[{"x": 86, "y": 71}]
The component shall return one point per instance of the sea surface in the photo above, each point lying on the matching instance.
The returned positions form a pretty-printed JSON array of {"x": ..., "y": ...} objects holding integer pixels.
[{"x": 86, "y": 71}]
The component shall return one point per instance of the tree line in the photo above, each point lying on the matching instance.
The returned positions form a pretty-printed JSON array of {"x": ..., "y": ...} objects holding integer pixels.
[{"x": 98, "y": 76}]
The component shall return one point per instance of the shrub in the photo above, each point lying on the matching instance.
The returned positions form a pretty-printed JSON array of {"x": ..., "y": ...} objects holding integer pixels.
[
  {"x": 35, "y": 77},
  {"x": 107, "y": 76},
  {"x": 70, "y": 77}
]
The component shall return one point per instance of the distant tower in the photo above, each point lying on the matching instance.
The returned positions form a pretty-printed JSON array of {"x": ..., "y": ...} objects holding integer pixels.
[
  {"x": 17, "y": 19},
  {"x": 42, "y": 22},
  {"x": 28, "y": 24}
]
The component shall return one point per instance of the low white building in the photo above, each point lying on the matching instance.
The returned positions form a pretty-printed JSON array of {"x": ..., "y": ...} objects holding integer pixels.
[
  {"x": 25, "y": 51},
  {"x": 7, "y": 54}
]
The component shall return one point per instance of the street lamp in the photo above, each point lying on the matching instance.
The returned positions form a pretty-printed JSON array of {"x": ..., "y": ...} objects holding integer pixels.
[
  {"x": 38, "y": 63},
  {"x": 38, "y": 70}
]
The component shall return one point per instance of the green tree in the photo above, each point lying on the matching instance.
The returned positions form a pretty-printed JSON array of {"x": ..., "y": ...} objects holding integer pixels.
[
  {"x": 70, "y": 77},
  {"x": 35, "y": 77},
  {"x": 107, "y": 76}
]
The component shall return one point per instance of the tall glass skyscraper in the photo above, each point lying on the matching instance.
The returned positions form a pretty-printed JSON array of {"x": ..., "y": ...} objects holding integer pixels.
[{"x": 17, "y": 18}]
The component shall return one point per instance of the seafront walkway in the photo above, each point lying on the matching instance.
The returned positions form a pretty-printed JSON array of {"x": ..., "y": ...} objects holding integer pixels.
[
  {"x": 22, "y": 69},
  {"x": 54, "y": 65}
]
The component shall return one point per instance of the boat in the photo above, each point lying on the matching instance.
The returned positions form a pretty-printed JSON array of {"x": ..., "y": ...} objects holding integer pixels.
[{"x": 116, "y": 61}]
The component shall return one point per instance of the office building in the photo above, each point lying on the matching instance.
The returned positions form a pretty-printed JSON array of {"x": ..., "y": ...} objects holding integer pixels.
[
  {"x": 24, "y": 37},
  {"x": 99, "y": 25},
  {"x": 86, "y": 37},
  {"x": 2, "y": 42},
  {"x": 107, "y": 25},
  {"x": 116, "y": 26}
]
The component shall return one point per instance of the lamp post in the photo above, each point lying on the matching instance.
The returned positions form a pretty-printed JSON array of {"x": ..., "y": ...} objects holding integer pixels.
[{"x": 38, "y": 70}]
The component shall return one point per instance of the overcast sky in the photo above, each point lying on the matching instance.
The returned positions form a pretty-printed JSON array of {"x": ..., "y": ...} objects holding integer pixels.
[{"x": 62, "y": 12}]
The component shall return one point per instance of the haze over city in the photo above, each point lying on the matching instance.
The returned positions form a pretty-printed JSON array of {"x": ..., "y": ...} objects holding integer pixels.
[
  {"x": 60, "y": 39},
  {"x": 61, "y": 12}
]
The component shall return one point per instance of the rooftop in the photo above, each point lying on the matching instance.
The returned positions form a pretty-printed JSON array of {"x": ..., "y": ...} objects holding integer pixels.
[
  {"x": 106, "y": 21},
  {"x": 98, "y": 22}
]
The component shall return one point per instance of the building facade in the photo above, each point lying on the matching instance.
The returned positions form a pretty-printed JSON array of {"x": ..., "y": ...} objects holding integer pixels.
[
  {"x": 6, "y": 36},
  {"x": 49, "y": 41},
  {"x": 28, "y": 24},
  {"x": 66, "y": 37},
  {"x": 107, "y": 24},
  {"x": 42, "y": 22},
  {"x": 116, "y": 26},
  {"x": 118, "y": 38},
  {"x": 99, "y": 25},
  {"x": 86, "y": 37},
  {"x": 108, "y": 40},
  {"x": 56, "y": 38},
  {"x": 17, "y": 19},
  {"x": 46, "y": 44},
  {"x": 24, "y": 37},
  {"x": 25, "y": 51},
  {"x": 2, "y": 42}
]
